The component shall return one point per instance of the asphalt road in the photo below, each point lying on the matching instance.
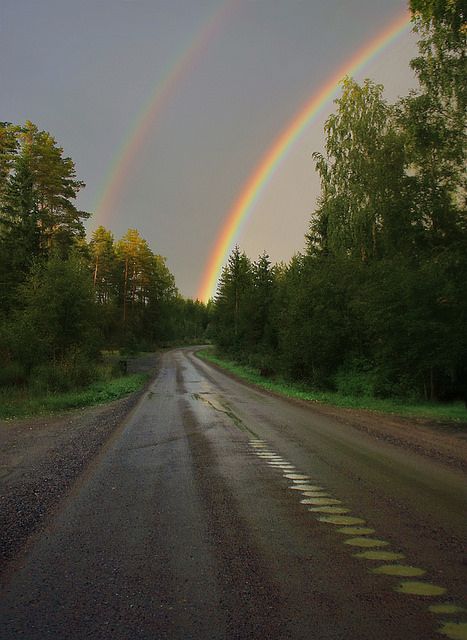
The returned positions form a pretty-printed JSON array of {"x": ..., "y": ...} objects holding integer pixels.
[{"x": 191, "y": 524}]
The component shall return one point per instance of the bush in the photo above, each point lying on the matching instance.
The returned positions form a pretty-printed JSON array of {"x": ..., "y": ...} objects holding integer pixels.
[
  {"x": 356, "y": 378},
  {"x": 390, "y": 383},
  {"x": 264, "y": 362},
  {"x": 12, "y": 374},
  {"x": 57, "y": 319},
  {"x": 74, "y": 371}
]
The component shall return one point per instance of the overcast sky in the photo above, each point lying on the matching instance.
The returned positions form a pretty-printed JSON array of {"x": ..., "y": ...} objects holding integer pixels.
[{"x": 84, "y": 69}]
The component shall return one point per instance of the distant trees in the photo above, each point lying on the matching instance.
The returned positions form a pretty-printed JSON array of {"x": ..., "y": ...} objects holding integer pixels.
[{"x": 377, "y": 304}]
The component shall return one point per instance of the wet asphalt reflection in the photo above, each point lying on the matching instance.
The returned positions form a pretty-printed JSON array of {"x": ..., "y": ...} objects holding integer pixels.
[
  {"x": 220, "y": 512},
  {"x": 315, "y": 495}
]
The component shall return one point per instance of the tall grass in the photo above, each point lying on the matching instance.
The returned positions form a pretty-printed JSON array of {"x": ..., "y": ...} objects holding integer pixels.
[
  {"x": 20, "y": 403},
  {"x": 455, "y": 411}
]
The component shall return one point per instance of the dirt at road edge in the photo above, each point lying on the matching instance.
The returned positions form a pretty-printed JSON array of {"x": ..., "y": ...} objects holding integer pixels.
[{"x": 41, "y": 458}]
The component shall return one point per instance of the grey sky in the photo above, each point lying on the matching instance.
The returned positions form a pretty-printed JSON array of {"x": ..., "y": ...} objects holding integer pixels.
[{"x": 83, "y": 69}]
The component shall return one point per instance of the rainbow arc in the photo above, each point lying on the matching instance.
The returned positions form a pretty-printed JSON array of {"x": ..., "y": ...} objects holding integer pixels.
[
  {"x": 155, "y": 105},
  {"x": 261, "y": 176}
]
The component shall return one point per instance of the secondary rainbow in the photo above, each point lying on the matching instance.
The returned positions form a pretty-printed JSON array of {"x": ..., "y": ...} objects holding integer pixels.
[
  {"x": 263, "y": 173},
  {"x": 165, "y": 89}
]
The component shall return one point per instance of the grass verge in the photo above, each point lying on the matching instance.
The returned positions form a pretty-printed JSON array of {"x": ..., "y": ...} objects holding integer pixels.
[
  {"x": 15, "y": 403},
  {"x": 455, "y": 411}
]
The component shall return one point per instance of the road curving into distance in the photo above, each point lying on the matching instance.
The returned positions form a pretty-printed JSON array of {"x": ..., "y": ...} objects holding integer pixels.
[{"x": 220, "y": 511}]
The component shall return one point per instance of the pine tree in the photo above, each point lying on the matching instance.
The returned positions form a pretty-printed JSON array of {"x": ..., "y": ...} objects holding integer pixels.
[
  {"x": 232, "y": 301},
  {"x": 104, "y": 264}
]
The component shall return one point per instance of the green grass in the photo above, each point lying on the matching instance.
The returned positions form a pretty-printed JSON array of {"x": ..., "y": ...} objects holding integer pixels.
[
  {"x": 16, "y": 403},
  {"x": 455, "y": 411}
]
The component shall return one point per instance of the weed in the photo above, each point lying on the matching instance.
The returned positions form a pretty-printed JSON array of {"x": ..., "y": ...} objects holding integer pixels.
[{"x": 20, "y": 403}]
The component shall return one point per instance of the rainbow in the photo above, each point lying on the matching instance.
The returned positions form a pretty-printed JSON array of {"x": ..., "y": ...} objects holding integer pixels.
[
  {"x": 137, "y": 133},
  {"x": 264, "y": 171}
]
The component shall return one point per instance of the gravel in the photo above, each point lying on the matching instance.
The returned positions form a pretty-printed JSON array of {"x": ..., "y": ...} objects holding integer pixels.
[{"x": 41, "y": 458}]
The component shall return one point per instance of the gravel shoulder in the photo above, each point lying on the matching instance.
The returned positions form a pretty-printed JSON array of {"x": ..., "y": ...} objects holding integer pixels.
[
  {"x": 443, "y": 441},
  {"x": 41, "y": 458}
]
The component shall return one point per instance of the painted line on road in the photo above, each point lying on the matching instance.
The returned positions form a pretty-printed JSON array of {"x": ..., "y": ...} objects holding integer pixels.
[{"x": 353, "y": 526}]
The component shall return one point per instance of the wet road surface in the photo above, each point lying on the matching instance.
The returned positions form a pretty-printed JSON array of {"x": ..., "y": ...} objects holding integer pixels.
[{"x": 218, "y": 511}]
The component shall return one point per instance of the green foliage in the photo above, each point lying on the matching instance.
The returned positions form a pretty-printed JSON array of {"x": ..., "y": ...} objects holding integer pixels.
[
  {"x": 12, "y": 374},
  {"x": 62, "y": 299},
  {"x": 188, "y": 321},
  {"x": 55, "y": 315},
  {"x": 18, "y": 403},
  {"x": 37, "y": 215},
  {"x": 75, "y": 371},
  {"x": 356, "y": 378},
  {"x": 38, "y": 189},
  {"x": 455, "y": 411},
  {"x": 363, "y": 208},
  {"x": 232, "y": 317},
  {"x": 104, "y": 264},
  {"x": 377, "y": 305},
  {"x": 433, "y": 118}
]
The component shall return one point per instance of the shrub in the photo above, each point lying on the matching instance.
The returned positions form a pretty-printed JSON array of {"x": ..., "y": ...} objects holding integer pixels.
[
  {"x": 12, "y": 374},
  {"x": 356, "y": 378},
  {"x": 74, "y": 371}
]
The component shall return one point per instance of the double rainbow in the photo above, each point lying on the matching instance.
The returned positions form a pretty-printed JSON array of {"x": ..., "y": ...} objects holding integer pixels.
[
  {"x": 157, "y": 102},
  {"x": 263, "y": 173}
]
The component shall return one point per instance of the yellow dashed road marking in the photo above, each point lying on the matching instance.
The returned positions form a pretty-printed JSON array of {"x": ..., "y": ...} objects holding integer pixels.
[
  {"x": 420, "y": 589},
  {"x": 403, "y": 570}
]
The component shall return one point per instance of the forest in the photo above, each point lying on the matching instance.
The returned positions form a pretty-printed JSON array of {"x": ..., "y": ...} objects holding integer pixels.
[
  {"x": 64, "y": 299},
  {"x": 376, "y": 305}
]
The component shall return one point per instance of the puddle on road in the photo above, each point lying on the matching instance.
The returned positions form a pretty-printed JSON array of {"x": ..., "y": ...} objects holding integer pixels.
[
  {"x": 366, "y": 542},
  {"x": 446, "y": 607},
  {"x": 342, "y": 520},
  {"x": 379, "y": 555},
  {"x": 357, "y": 531},
  {"x": 402, "y": 570},
  {"x": 334, "y": 510},
  {"x": 454, "y": 630},
  {"x": 420, "y": 589},
  {"x": 320, "y": 501}
]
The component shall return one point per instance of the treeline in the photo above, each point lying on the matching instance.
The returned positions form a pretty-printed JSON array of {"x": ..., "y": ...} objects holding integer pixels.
[
  {"x": 63, "y": 299},
  {"x": 377, "y": 303}
]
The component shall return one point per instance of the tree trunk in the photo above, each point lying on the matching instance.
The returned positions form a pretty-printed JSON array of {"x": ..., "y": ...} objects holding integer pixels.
[
  {"x": 96, "y": 269},
  {"x": 432, "y": 385},
  {"x": 125, "y": 286}
]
